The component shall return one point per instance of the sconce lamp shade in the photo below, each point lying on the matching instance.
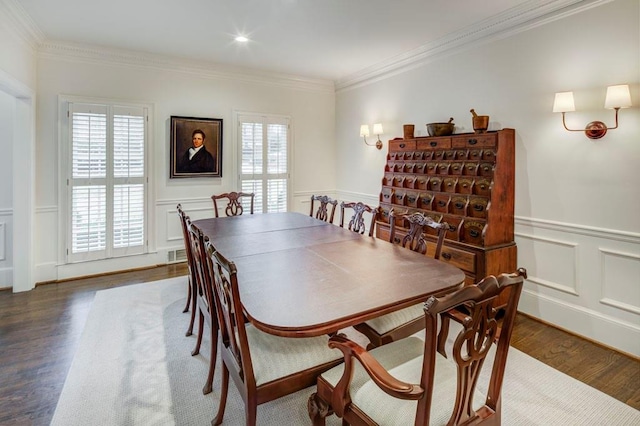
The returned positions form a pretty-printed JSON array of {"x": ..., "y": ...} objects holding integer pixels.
[
  {"x": 364, "y": 130},
  {"x": 377, "y": 129},
  {"x": 564, "y": 102},
  {"x": 618, "y": 97}
]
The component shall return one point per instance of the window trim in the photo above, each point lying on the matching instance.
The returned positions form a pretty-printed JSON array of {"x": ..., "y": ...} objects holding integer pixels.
[{"x": 64, "y": 138}]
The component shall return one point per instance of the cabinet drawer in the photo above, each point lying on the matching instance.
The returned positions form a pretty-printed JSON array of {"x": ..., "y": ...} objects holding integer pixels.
[
  {"x": 402, "y": 145},
  {"x": 382, "y": 232},
  {"x": 474, "y": 141},
  {"x": 438, "y": 143},
  {"x": 460, "y": 258}
]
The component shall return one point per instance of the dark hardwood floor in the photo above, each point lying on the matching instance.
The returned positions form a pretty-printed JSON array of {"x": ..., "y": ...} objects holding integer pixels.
[{"x": 39, "y": 331}]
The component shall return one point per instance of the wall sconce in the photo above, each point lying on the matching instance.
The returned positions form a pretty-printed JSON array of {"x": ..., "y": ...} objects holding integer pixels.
[
  {"x": 617, "y": 97},
  {"x": 377, "y": 130}
]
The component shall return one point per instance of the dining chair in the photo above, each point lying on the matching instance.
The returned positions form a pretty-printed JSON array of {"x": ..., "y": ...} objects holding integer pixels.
[
  {"x": 235, "y": 201},
  {"x": 204, "y": 300},
  {"x": 407, "y": 321},
  {"x": 263, "y": 366},
  {"x": 322, "y": 213},
  {"x": 191, "y": 293},
  {"x": 415, "y": 236},
  {"x": 410, "y": 382},
  {"x": 356, "y": 222}
]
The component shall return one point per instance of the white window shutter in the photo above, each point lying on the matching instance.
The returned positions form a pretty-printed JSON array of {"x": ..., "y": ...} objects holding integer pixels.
[
  {"x": 264, "y": 161},
  {"x": 107, "y": 181}
]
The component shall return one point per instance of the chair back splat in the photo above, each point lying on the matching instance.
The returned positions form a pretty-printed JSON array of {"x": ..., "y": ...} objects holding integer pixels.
[
  {"x": 234, "y": 205},
  {"x": 323, "y": 212},
  {"x": 373, "y": 389},
  {"x": 418, "y": 226},
  {"x": 356, "y": 223}
]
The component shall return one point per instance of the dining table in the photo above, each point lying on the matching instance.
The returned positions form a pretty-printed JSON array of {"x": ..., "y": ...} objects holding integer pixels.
[{"x": 301, "y": 277}]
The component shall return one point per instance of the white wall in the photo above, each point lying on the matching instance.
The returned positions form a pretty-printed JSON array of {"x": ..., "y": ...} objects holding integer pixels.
[
  {"x": 182, "y": 90},
  {"x": 17, "y": 55},
  {"x": 577, "y": 200}
]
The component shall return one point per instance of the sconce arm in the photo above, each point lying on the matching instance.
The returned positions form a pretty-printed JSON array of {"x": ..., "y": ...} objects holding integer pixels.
[
  {"x": 594, "y": 129},
  {"x": 378, "y": 143}
]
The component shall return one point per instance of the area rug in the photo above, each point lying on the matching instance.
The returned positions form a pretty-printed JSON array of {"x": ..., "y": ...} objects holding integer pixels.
[{"x": 134, "y": 366}]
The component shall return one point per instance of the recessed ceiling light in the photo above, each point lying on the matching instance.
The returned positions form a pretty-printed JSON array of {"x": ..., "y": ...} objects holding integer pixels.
[{"x": 242, "y": 39}]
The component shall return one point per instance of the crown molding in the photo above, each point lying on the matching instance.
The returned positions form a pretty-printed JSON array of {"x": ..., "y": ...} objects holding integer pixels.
[
  {"x": 515, "y": 20},
  {"x": 109, "y": 56},
  {"x": 14, "y": 15}
]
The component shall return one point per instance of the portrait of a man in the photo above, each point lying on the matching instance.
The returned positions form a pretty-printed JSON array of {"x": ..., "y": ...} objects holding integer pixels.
[{"x": 196, "y": 147}]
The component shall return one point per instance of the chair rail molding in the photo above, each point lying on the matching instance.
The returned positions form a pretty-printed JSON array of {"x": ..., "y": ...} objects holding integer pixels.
[{"x": 591, "y": 231}]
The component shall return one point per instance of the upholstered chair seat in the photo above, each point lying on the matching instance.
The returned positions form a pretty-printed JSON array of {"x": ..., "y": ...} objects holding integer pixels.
[
  {"x": 393, "y": 320},
  {"x": 274, "y": 357}
]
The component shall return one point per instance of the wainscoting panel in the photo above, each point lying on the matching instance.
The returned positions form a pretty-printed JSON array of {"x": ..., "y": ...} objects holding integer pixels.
[
  {"x": 6, "y": 248},
  {"x": 550, "y": 263},
  {"x": 621, "y": 280},
  {"x": 582, "y": 279},
  {"x": 2, "y": 240}
]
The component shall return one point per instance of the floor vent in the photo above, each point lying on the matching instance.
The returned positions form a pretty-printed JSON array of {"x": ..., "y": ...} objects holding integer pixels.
[{"x": 176, "y": 256}]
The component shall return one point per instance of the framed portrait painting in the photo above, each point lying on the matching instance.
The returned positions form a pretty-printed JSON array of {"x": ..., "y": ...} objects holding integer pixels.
[{"x": 196, "y": 147}]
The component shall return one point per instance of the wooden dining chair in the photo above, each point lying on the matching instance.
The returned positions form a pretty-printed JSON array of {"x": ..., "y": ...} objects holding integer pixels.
[
  {"x": 191, "y": 293},
  {"x": 407, "y": 321},
  {"x": 204, "y": 300},
  {"x": 409, "y": 382},
  {"x": 323, "y": 213},
  {"x": 415, "y": 237},
  {"x": 235, "y": 201},
  {"x": 356, "y": 222},
  {"x": 264, "y": 367}
]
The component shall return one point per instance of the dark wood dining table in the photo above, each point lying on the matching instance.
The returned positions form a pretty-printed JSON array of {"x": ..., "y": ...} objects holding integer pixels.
[{"x": 302, "y": 277}]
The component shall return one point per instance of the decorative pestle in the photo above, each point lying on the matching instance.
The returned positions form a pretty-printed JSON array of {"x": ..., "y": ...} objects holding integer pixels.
[{"x": 480, "y": 122}]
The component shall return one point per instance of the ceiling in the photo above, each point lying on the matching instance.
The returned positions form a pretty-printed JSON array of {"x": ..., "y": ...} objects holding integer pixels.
[{"x": 326, "y": 39}]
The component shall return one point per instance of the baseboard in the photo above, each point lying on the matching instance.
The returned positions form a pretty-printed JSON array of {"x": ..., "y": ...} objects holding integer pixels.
[{"x": 588, "y": 324}]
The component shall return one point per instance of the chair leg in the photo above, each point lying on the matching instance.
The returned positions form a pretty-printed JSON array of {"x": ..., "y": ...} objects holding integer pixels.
[
  {"x": 186, "y": 305},
  {"x": 318, "y": 410},
  {"x": 251, "y": 411},
  {"x": 212, "y": 359},
  {"x": 194, "y": 294},
  {"x": 196, "y": 350},
  {"x": 223, "y": 396}
]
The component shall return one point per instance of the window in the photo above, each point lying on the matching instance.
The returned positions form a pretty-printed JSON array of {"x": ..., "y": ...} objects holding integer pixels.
[
  {"x": 264, "y": 161},
  {"x": 106, "y": 181}
]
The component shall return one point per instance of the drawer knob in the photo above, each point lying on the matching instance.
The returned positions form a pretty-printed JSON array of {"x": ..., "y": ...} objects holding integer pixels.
[
  {"x": 446, "y": 256},
  {"x": 433, "y": 143},
  {"x": 402, "y": 145},
  {"x": 474, "y": 233},
  {"x": 472, "y": 141},
  {"x": 478, "y": 207}
]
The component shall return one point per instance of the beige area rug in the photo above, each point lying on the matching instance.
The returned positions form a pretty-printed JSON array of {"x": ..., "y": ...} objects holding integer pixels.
[{"x": 133, "y": 367}]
